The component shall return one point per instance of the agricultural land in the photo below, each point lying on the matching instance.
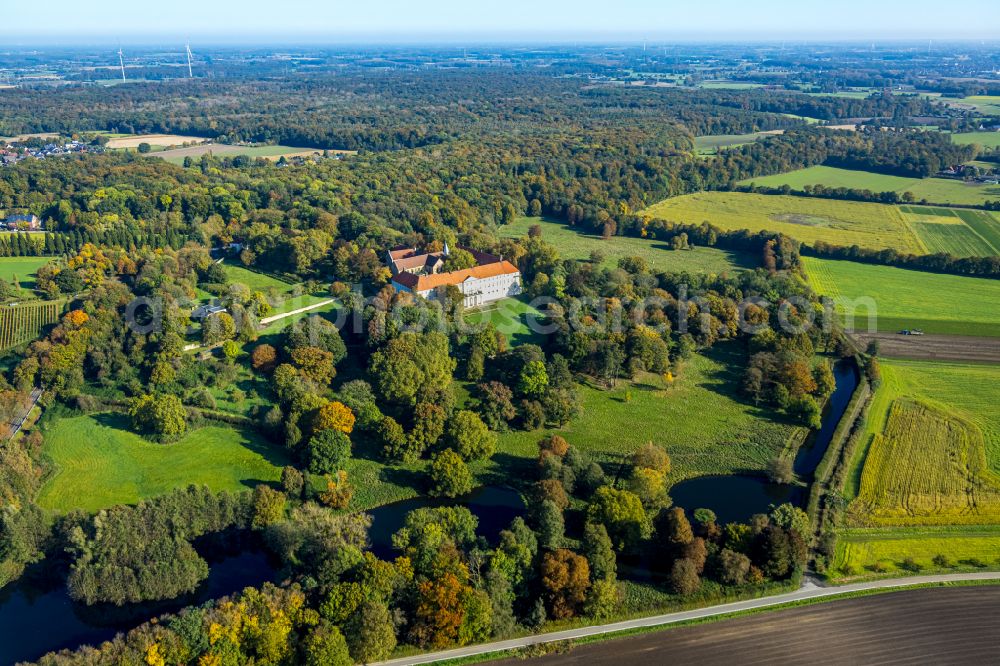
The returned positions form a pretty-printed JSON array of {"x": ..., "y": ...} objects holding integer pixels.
[
  {"x": 925, "y": 482},
  {"x": 903, "y": 298},
  {"x": 867, "y": 225},
  {"x": 933, "y": 190}
]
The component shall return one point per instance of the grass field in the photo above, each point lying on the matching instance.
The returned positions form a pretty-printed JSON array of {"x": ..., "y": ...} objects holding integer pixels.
[
  {"x": 24, "y": 268},
  {"x": 808, "y": 220},
  {"x": 100, "y": 463},
  {"x": 985, "y": 104},
  {"x": 176, "y": 156},
  {"x": 934, "y": 190},
  {"x": 902, "y": 298},
  {"x": 711, "y": 144},
  {"x": 575, "y": 244},
  {"x": 704, "y": 425},
  {"x": 511, "y": 317},
  {"x": 256, "y": 281},
  {"x": 870, "y": 549},
  {"x": 984, "y": 139},
  {"x": 961, "y": 232}
]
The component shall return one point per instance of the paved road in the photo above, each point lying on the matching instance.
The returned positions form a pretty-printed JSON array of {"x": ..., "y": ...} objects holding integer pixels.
[
  {"x": 268, "y": 320},
  {"x": 809, "y": 590},
  {"x": 926, "y": 626},
  {"x": 18, "y": 422}
]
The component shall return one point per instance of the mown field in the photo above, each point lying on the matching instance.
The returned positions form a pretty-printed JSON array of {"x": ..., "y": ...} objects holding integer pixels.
[
  {"x": 984, "y": 139},
  {"x": 700, "y": 419},
  {"x": 865, "y": 551},
  {"x": 711, "y": 144},
  {"x": 956, "y": 231},
  {"x": 902, "y": 298},
  {"x": 255, "y": 280},
  {"x": 575, "y": 244},
  {"x": 911, "y": 485},
  {"x": 22, "y": 269},
  {"x": 808, "y": 220},
  {"x": 934, "y": 190},
  {"x": 177, "y": 155},
  {"x": 512, "y": 317},
  {"x": 100, "y": 463}
]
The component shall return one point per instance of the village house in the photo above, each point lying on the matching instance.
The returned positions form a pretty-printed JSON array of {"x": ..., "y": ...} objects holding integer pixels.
[
  {"x": 23, "y": 222},
  {"x": 491, "y": 279}
]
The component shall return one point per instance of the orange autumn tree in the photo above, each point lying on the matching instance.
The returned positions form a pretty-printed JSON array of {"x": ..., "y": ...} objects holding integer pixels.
[
  {"x": 335, "y": 416},
  {"x": 338, "y": 492},
  {"x": 566, "y": 580}
]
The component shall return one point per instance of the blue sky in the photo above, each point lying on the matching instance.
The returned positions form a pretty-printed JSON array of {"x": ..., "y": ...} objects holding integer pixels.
[{"x": 324, "y": 20}]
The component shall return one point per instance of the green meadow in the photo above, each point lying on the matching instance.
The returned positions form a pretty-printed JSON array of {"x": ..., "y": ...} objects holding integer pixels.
[
  {"x": 902, "y": 298},
  {"x": 933, "y": 190},
  {"x": 574, "y": 243},
  {"x": 99, "y": 463},
  {"x": 957, "y": 231},
  {"x": 512, "y": 317},
  {"x": 699, "y": 417},
  {"x": 984, "y": 139},
  {"x": 23, "y": 268},
  {"x": 711, "y": 144}
]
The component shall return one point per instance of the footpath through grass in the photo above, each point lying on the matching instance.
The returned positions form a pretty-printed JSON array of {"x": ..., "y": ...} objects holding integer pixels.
[
  {"x": 574, "y": 243},
  {"x": 100, "y": 463},
  {"x": 903, "y": 298}
]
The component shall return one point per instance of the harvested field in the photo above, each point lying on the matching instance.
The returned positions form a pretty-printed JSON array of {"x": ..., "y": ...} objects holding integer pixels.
[
  {"x": 153, "y": 140},
  {"x": 926, "y": 467},
  {"x": 177, "y": 155},
  {"x": 934, "y": 347},
  {"x": 926, "y": 626},
  {"x": 868, "y": 225}
]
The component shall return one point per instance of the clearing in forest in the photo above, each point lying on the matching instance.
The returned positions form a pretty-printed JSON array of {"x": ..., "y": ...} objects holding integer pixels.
[{"x": 575, "y": 243}]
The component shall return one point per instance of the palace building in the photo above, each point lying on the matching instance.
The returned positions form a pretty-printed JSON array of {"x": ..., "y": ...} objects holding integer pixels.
[{"x": 491, "y": 279}]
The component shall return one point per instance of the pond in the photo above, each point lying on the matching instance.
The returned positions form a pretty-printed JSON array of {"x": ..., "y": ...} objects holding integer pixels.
[
  {"x": 736, "y": 498},
  {"x": 494, "y": 506},
  {"x": 35, "y": 621}
]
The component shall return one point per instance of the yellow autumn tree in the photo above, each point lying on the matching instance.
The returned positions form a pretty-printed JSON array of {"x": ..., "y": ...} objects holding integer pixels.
[{"x": 335, "y": 416}]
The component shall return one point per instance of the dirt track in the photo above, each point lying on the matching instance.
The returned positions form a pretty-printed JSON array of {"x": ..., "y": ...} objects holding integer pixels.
[
  {"x": 934, "y": 347},
  {"x": 923, "y": 626}
]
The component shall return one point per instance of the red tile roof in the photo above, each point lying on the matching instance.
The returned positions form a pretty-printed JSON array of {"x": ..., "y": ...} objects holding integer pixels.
[{"x": 420, "y": 283}]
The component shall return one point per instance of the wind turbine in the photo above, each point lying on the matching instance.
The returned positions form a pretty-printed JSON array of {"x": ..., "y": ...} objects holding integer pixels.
[
  {"x": 121, "y": 61},
  {"x": 187, "y": 47}
]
